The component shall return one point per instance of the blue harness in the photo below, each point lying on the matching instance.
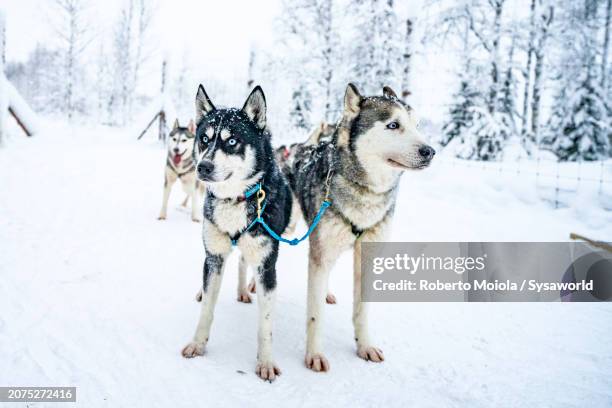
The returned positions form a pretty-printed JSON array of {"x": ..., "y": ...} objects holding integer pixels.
[{"x": 261, "y": 205}]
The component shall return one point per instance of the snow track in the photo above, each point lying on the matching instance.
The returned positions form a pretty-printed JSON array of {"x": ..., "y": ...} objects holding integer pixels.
[{"x": 96, "y": 293}]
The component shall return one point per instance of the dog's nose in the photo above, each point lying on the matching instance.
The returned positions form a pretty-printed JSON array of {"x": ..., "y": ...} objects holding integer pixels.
[
  {"x": 205, "y": 168},
  {"x": 427, "y": 152},
  {"x": 175, "y": 150}
]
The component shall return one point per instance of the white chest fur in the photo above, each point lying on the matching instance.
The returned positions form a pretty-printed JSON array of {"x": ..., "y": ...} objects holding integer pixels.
[{"x": 230, "y": 217}]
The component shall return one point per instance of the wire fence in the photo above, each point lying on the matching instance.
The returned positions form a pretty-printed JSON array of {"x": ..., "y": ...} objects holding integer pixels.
[{"x": 558, "y": 183}]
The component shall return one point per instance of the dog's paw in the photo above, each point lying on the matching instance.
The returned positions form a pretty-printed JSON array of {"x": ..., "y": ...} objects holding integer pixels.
[
  {"x": 330, "y": 299},
  {"x": 252, "y": 287},
  {"x": 193, "y": 350},
  {"x": 198, "y": 296},
  {"x": 196, "y": 219},
  {"x": 267, "y": 370},
  {"x": 161, "y": 218},
  {"x": 316, "y": 362},
  {"x": 370, "y": 353},
  {"x": 244, "y": 297}
]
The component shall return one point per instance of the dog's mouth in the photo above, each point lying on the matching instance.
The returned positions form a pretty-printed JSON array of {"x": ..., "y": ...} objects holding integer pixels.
[
  {"x": 403, "y": 166},
  {"x": 177, "y": 157}
]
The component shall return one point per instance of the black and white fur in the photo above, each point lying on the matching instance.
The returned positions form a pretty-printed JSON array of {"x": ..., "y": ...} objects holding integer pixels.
[
  {"x": 234, "y": 153},
  {"x": 374, "y": 143},
  {"x": 180, "y": 165}
]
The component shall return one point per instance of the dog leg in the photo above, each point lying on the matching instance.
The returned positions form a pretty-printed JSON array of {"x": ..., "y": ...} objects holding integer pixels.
[
  {"x": 194, "y": 205},
  {"x": 266, "y": 369},
  {"x": 243, "y": 293},
  {"x": 185, "y": 201},
  {"x": 213, "y": 274},
  {"x": 189, "y": 187},
  {"x": 167, "y": 187},
  {"x": 252, "y": 286},
  {"x": 318, "y": 272},
  {"x": 365, "y": 349}
]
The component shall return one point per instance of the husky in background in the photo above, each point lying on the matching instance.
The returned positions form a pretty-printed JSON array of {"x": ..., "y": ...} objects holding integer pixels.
[
  {"x": 322, "y": 133},
  {"x": 374, "y": 143},
  {"x": 180, "y": 165},
  {"x": 233, "y": 152}
]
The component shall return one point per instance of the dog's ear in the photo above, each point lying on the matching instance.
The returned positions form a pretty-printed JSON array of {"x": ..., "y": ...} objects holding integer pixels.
[
  {"x": 191, "y": 127},
  {"x": 352, "y": 101},
  {"x": 389, "y": 93},
  {"x": 255, "y": 107},
  {"x": 203, "y": 104},
  {"x": 352, "y": 107},
  {"x": 176, "y": 124}
]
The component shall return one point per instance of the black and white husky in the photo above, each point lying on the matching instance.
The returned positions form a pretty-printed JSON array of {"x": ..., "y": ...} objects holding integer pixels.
[
  {"x": 180, "y": 165},
  {"x": 234, "y": 154},
  {"x": 374, "y": 143}
]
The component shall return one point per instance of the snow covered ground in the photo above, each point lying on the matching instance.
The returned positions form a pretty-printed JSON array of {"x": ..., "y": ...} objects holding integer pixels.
[{"x": 96, "y": 293}]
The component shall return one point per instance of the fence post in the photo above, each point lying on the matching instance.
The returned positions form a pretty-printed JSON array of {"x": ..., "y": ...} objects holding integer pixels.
[
  {"x": 601, "y": 177},
  {"x": 557, "y": 188}
]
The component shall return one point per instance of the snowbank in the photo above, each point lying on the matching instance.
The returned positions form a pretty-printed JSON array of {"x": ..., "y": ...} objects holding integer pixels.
[{"x": 98, "y": 294}]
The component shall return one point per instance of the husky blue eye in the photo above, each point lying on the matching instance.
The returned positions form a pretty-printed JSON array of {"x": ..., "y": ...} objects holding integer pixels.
[
  {"x": 232, "y": 142},
  {"x": 205, "y": 139},
  {"x": 393, "y": 125}
]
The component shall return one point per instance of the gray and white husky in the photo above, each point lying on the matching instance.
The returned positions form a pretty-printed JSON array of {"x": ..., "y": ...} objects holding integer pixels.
[
  {"x": 234, "y": 154},
  {"x": 374, "y": 143},
  {"x": 180, "y": 165}
]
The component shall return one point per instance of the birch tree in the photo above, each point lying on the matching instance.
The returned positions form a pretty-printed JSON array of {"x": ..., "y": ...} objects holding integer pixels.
[
  {"x": 74, "y": 35},
  {"x": 407, "y": 58}
]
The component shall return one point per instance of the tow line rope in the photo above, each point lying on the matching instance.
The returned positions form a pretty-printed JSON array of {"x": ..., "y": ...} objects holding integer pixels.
[{"x": 261, "y": 205}]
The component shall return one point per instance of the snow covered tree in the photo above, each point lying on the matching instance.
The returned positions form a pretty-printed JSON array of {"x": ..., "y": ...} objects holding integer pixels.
[
  {"x": 74, "y": 35},
  {"x": 130, "y": 53},
  {"x": 39, "y": 79},
  {"x": 407, "y": 59},
  {"x": 376, "y": 55},
  {"x": 461, "y": 114},
  {"x": 302, "y": 105},
  {"x": 307, "y": 56},
  {"x": 545, "y": 19},
  {"x": 579, "y": 127},
  {"x": 481, "y": 114},
  {"x": 251, "y": 71}
]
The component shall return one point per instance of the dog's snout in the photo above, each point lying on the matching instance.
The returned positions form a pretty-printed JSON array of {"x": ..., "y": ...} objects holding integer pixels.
[
  {"x": 427, "y": 152},
  {"x": 205, "y": 168},
  {"x": 175, "y": 150}
]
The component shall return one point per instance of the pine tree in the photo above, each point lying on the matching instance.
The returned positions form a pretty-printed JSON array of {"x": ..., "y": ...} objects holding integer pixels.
[
  {"x": 578, "y": 127},
  {"x": 461, "y": 114}
]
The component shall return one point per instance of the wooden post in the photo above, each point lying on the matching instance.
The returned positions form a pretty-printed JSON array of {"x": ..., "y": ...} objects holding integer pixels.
[
  {"x": 19, "y": 122},
  {"x": 162, "y": 125},
  {"x": 148, "y": 126},
  {"x": 162, "y": 114}
]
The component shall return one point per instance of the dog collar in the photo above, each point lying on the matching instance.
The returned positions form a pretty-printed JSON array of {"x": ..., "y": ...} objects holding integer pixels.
[{"x": 247, "y": 194}]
